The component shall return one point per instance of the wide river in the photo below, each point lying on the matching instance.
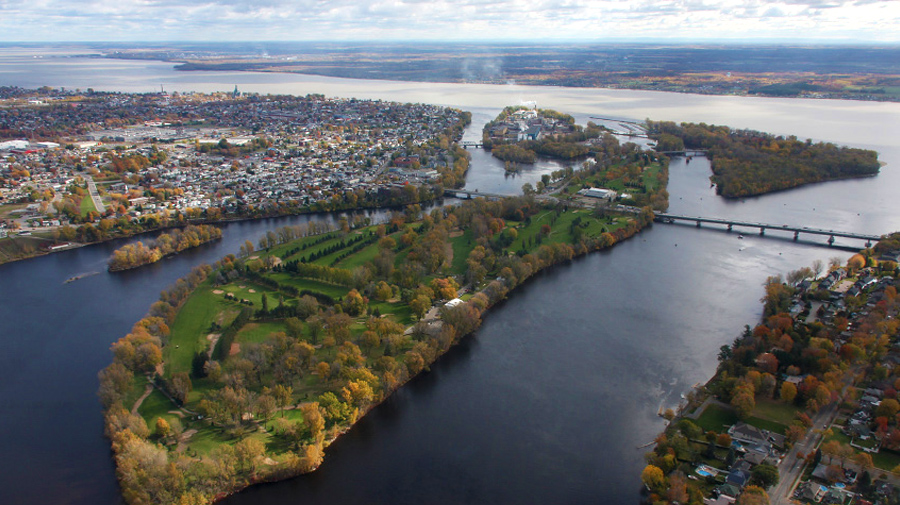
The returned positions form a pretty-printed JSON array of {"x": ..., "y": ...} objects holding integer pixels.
[{"x": 547, "y": 402}]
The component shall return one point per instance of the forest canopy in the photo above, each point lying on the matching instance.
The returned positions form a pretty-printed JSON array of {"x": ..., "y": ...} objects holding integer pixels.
[{"x": 749, "y": 163}]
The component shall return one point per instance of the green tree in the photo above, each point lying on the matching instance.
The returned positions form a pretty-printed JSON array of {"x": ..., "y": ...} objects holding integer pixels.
[{"x": 764, "y": 475}]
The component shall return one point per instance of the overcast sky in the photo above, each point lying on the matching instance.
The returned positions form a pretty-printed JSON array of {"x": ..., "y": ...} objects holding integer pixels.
[{"x": 384, "y": 20}]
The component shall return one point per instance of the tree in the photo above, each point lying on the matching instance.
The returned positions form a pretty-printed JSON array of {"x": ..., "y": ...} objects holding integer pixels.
[
  {"x": 888, "y": 408},
  {"x": 764, "y": 475},
  {"x": 294, "y": 327},
  {"x": 817, "y": 268},
  {"x": 265, "y": 407},
  {"x": 284, "y": 395},
  {"x": 753, "y": 495},
  {"x": 788, "y": 392},
  {"x": 248, "y": 452},
  {"x": 162, "y": 428},
  {"x": 652, "y": 477},
  {"x": 420, "y": 305}
]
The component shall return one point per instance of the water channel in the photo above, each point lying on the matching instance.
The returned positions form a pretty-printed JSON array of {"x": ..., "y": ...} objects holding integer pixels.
[{"x": 547, "y": 402}]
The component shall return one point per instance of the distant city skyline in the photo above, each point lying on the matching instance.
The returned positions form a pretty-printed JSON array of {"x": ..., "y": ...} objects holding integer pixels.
[{"x": 838, "y": 21}]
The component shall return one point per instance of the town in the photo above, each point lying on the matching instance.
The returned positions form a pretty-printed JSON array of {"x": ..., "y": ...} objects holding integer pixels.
[
  {"x": 82, "y": 166},
  {"x": 803, "y": 407}
]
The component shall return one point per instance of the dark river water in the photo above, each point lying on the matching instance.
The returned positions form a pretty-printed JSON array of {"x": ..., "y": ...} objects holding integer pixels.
[{"x": 547, "y": 402}]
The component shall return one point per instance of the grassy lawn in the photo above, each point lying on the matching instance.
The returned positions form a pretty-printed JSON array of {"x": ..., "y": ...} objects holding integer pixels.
[
  {"x": 886, "y": 460},
  {"x": 192, "y": 325},
  {"x": 765, "y": 424},
  {"x": 333, "y": 290},
  {"x": 87, "y": 205},
  {"x": 778, "y": 412},
  {"x": 360, "y": 258},
  {"x": 716, "y": 418},
  {"x": 258, "y": 332},
  {"x": 156, "y": 405},
  {"x": 401, "y": 312},
  {"x": 461, "y": 247}
]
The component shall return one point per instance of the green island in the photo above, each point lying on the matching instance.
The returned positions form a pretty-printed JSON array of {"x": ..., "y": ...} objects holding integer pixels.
[
  {"x": 803, "y": 406},
  {"x": 138, "y": 254},
  {"x": 750, "y": 163},
  {"x": 519, "y": 134},
  {"x": 245, "y": 371}
]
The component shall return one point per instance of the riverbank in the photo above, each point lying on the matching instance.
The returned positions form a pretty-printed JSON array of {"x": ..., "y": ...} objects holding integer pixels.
[{"x": 767, "y": 416}]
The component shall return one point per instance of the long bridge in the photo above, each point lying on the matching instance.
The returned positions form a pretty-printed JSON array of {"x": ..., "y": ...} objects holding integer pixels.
[
  {"x": 763, "y": 227},
  {"x": 471, "y": 143},
  {"x": 465, "y": 195},
  {"x": 686, "y": 152}
]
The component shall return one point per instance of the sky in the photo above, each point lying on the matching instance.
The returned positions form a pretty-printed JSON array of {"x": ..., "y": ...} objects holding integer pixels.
[{"x": 839, "y": 21}]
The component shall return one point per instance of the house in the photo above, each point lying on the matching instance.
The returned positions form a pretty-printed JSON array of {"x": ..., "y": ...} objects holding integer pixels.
[
  {"x": 738, "y": 477},
  {"x": 729, "y": 490},
  {"x": 755, "y": 438},
  {"x": 810, "y": 491}
]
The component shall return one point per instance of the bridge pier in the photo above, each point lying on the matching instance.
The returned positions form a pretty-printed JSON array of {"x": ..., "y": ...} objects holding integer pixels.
[
  {"x": 796, "y": 235},
  {"x": 831, "y": 240},
  {"x": 762, "y": 231},
  {"x": 868, "y": 244},
  {"x": 698, "y": 224},
  {"x": 729, "y": 226}
]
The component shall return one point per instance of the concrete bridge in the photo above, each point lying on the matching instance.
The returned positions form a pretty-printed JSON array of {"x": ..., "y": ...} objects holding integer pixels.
[
  {"x": 465, "y": 195},
  {"x": 471, "y": 143},
  {"x": 686, "y": 152},
  {"x": 763, "y": 227}
]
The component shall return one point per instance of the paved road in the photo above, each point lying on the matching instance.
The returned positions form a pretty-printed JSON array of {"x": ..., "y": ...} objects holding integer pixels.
[{"x": 791, "y": 467}]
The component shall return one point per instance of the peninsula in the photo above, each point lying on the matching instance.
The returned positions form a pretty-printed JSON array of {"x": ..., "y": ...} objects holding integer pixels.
[{"x": 245, "y": 371}]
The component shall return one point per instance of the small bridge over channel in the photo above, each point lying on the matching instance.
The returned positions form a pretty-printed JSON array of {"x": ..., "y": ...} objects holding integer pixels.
[
  {"x": 763, "y": 227},
  {"x": 471, "y": 143}
]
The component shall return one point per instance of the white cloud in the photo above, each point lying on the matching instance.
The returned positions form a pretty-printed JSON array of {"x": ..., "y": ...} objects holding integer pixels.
[{"x": 154, "y": 20}]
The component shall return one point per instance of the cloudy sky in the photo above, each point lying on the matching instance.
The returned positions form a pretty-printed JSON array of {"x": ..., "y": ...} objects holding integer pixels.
[{"x": 441, "y": 20}]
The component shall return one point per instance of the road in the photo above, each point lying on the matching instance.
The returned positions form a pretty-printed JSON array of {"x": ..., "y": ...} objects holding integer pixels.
[{"x": 791, "y": 467}]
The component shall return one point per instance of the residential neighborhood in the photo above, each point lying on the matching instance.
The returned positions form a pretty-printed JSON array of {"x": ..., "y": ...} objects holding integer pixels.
[
  {"x": 72, "y": 158},
  {"x": 804, "y": 407}
]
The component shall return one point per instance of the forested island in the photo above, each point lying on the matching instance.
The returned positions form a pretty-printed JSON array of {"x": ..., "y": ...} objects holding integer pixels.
[
  {"x": 519, "y": 134},
  {"x": 138, "y": 254},
  {"x": 246, "y": 370},
  {"x": 811, "y": 390},
  {"x": 750, "y": 163}
]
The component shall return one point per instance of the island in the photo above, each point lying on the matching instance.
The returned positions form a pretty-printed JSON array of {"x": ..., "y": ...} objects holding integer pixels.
[
  {"x": 750, "y": 163},
  {"x": 138, "y": 254},
  {"x": 83, "y": 166},
  {"x": 804, "y": 405},
  {"x": 245, "y": 371},
  {"x": 520, "y": 133}
]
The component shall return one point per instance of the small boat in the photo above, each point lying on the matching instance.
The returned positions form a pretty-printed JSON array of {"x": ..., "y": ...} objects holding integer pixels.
[{"x": 741, "y": 236}]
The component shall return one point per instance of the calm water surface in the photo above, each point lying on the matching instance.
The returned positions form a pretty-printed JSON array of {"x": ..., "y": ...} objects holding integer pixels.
[{"x": 547, "y": 402}]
